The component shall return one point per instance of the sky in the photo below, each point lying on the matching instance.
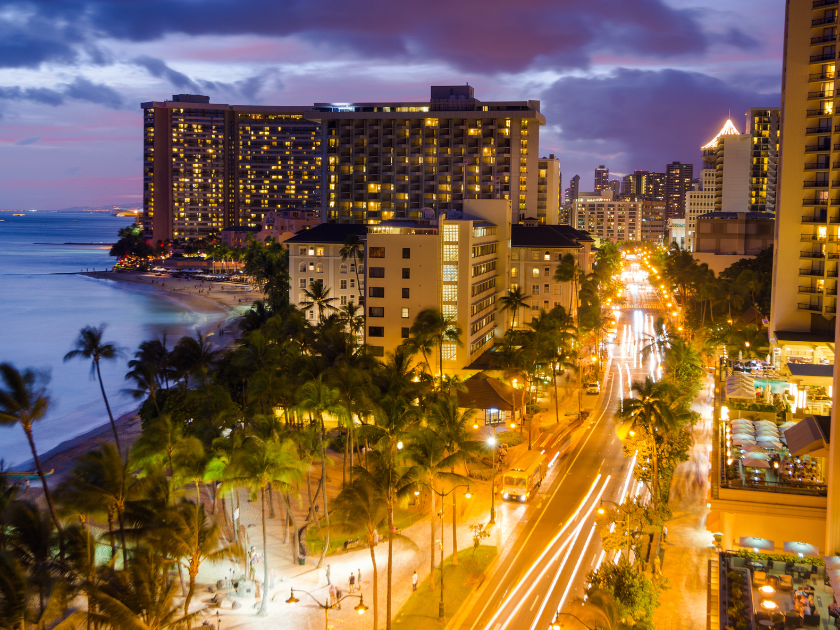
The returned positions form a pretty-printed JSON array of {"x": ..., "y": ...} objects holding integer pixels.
[{"x": 632, "y": 84}]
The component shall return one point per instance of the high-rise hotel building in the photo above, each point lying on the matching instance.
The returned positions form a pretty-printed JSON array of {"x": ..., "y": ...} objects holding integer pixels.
[
  {"x": 210, "y": 166},
  {"x": 806, "y": 255},
  {"x": 390, "y": 160}
]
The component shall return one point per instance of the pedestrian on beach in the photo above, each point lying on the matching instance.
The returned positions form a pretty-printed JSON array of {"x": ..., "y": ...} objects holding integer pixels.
[
  {"x": 359, "y": 578},
  {"x": 414, "y": 581},
  {"x": 352, "y": 583},
  {"x": 332, "y": 595},
  {"x": 26, "y": 484},
  {"x": 338, "y": 597},
  {"x": 327, "y": 571}
]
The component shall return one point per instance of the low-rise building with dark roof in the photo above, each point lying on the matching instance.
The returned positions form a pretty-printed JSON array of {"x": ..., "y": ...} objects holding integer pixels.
[{"x": 722, "y": 238}]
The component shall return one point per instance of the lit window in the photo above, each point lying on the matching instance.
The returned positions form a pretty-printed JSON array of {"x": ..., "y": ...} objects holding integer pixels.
[
  {"x": 535, "y": 272},
  {"x": 404, "y": 314}
]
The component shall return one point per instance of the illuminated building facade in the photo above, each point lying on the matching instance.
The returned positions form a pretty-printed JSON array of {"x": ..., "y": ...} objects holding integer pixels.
[
  {"x": 678, "y": 178},
  {"x": 211, "y": 166},
  {"x": 602, "y": 178},
  {"x": 386, "y": 161},
  {"x": 549, "y": 189},
  {"x": 607, "y": 218}
]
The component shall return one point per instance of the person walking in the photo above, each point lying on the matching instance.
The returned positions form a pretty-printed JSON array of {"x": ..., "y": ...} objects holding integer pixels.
[
  {"x": 332, "y": 595},
  {"x": 352, "y": 583},
  {"x": 338, "y": 597},
  {"x": 327, "y": 570},
  {"x": 359, "y": 578},
  {"x": 414, "y": 581}
]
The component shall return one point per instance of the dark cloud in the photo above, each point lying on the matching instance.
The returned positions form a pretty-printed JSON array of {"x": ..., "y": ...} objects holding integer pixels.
[
  {"x": 639, "y": 119},
  {"x": 157, "y": 68},
  {"x": 30, "y": 36},
  {"x": 72, "y": 171},
  {"x": 485, "y": 36},
  {"x": 24, "y": 141},
  {"x": 80, "y": 89}
]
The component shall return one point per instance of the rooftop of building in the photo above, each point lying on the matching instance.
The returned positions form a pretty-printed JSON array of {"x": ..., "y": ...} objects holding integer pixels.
[
  {"x": 329, "y": 233},
  {"x": 762, "y": 216},
  {"x": 542, "y": 236}
]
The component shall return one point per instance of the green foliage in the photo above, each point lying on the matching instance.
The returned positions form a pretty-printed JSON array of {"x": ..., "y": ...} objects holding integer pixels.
[
  {"x": 632, "y": 522},
  {"x": 131, "y": 243},
  {"x": 781, "y": 557},
  {"x": 510, "y": 438},
  {"x": 756, "y": 406},
  {"x": 478, "y": 534},
  {"x": 636, "y": 593},
  {"x": 671, "y": 450}
]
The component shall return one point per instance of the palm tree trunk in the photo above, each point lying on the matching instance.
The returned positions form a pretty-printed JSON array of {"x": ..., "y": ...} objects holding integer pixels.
[
  {"x": 344, "y": 461},
  {"x": 390, "y": 558},
  {"x": 350, "y": 441},
  {"x": 556, "y": 396},
  {"x": 432, "y": 541},
  {"x": 47, "y": 495},
  {"x": 270, "y": 502},
  {"x": 121, "y": 520},
  {"x": 324, "y": 490},
  {"x": 190, "y": 592},
  {"x": 375, "y": 584},
  {"x": 263, "y": 611},
  {"x": 655, "y": 472},
  {"x": 108, "y": 407},
  {"x": 454, "y": 530},
  {"x": 111, "y": 532}
]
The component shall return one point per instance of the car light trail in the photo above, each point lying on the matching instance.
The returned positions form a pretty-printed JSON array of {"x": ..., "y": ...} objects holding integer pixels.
[
  {"x": 545, "y": 551},
  {"x": 574, "y": 573}
]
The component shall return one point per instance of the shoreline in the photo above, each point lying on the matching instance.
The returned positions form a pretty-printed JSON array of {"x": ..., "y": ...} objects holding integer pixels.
[{"x": 228, "y": 303}]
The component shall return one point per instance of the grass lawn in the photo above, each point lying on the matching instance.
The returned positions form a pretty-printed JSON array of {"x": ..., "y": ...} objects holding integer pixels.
[
  {"x": 420, "y": 612},
  {"x": 403, "y": 517}
]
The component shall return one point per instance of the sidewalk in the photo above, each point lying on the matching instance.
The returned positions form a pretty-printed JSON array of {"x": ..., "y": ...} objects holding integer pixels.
[
  {"x": 410, "y": 553},
  {"x": 688, "y": 545}
]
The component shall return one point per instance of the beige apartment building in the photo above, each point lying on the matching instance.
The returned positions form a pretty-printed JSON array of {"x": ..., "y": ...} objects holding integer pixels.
[
  {"x": 461, "y": 265},
  {"x": 607, "y": 218},
  {"x": 549, "y": 190},
  {"x": 697, "y": 202},
  {"x": 805, "y": 265},
  {"x": 724, "y": 238},
  {"x": 653, "y": 221},
  {"x": 390, "y": 160}
]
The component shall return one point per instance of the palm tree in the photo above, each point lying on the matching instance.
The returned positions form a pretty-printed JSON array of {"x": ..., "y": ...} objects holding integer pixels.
[
  {"x": 384, "y": 473},
  {"x": 731, "y": 294},
  {"x": 195, "y": 540},
  {"x": 431, "y": 466},
  {"x": 140, "y": 597},
  {"x": 439, "y": 329},
  {"x": 193, "y": 356},
  {"x": 568, "y": 271},
  {"x": 146, "y": 384},
  {"x": 318, "y": 296},
  {"x": 453, "y": 427},
  {"x": 651, "y": 410},
  {"x": 157, "y": 442},
  {"x": 362, "y": 505},
  {"x": 23, "y": 401},
  {"x": 318, "y": 398},
  {"x": 353, "y": 249},
  {"x": 101, "y": 482},
  {"x": 513, "y": 301},
  {"x": 190, "y": 463},
  {"x": 257, "y": 464},
  {"x": 353, "y": 385},
  {"x": 89, "y": 345}
]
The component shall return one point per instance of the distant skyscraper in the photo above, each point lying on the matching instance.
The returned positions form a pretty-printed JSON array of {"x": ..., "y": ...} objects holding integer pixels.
[
  {"x": 627, "y": 185},
  {"x": 655, "y": 187},
  {"x": 615, "y": 185},
  {"x": 677, "y": 183},
  {"x": 602, "y": 178},
  {"x": 574, "y": 188},
  {"x": 548, "y": 190},
  {"x": 764, "y": 125}
]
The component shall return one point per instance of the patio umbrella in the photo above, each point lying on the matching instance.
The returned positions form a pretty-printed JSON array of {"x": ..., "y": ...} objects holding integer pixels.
[
  {"x": 743, "y": 436},
  {"x": 765, "y": 423},
  {"x": 743, "y": 441},
  {"x": 751, "y": 462},
  {"x": 764, "y": 437},
  {"x": 832, "y": 562},
  {"x": 768, "y": 432},
  {"x": 787, "y": 425},
  {"x": 754, "y": 448},
  {"x": 800, "y": 547},
  {"x": 756, "y": 543},
  {"x": 758, "y": 455}
]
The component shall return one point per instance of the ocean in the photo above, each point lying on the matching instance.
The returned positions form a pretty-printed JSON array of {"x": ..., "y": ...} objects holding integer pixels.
[{"x": 43, "y": 305}]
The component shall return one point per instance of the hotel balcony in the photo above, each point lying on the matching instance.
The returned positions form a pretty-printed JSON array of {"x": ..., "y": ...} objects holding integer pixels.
[
  {"x": 808, "y": 290},
  {"x": 823, "y": 93},
  {"x": 823, "y": 57},
  {"x": 816, "y": 308},
  {"x": 817, "y": 148},
  {"x": 816, "y": 4},
  {"x": 832, "y": 19},
  {"x": 832, "y": 291},
  {"x": 814, "y": 201},
  {"x": 832, "y": 273},
  {"x": 815, "y": 184},
  {"x": 830, "y": 309},
  {"x": 815, "y": 130},
  {"x": 823, "y": 39},
  {"x": 813, "y": 273},
  {"x": 819, "y": 166},
  {"x": 818, "y": 112},
  {"x": 821, "y": 76},
  {"x": 811, "y": 255}
]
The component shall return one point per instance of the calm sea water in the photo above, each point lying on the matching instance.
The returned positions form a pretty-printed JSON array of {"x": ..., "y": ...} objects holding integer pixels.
[{"x": 43, "y": 306}]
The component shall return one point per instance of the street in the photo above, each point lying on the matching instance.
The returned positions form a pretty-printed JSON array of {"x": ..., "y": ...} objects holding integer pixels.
[{"x": 544, "y": 570}]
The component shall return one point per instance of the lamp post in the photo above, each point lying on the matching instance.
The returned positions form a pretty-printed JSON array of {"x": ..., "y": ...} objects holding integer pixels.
[
  {"x": 556, "y": 625},
  {"x": 440, "y": 514},
  {"x": 361, "y": 608}
]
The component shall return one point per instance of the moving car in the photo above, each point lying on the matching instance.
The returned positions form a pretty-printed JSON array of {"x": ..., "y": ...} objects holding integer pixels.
[{"x": 593, "y": 387}]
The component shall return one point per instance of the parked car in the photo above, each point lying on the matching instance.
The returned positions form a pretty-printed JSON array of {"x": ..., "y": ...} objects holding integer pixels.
[{"x": 593, "y": 387}]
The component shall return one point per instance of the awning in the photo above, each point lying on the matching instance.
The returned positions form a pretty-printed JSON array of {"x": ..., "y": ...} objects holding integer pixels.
[
  {"x": 756, "y": 542},
  {"x": 809, "y": 437}
]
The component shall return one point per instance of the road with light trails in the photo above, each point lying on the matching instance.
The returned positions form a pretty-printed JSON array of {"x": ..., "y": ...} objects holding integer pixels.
[{"x": 544, "y": 568}]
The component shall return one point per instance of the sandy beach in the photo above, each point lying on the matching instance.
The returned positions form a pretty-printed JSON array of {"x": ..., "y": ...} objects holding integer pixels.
[{"x": 226, "y": 299}]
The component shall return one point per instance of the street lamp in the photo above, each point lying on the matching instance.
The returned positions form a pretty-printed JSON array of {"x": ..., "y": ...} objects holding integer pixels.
[
  {"x": 442, "y": 496},
  {"x": 361, "y": 608},
  {"x": 556, "y": 625}
]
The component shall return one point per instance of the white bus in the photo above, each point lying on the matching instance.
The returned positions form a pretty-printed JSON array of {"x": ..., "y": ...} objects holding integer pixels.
[{"x": 520, "y": 483}]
